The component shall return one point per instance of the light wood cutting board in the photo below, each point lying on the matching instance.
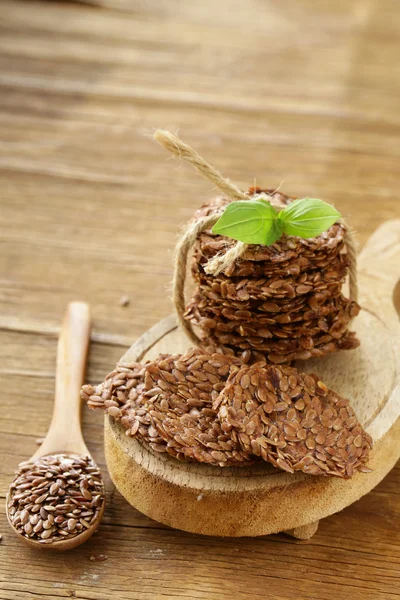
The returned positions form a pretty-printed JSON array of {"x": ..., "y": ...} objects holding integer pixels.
[{"x": 260, "y": 500}]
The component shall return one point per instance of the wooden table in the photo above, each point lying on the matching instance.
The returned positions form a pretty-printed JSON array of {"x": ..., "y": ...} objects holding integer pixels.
[{"x": 299, "y": 94}]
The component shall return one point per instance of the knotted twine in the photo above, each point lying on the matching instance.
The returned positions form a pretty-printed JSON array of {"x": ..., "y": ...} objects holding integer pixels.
[{"x": 222, "y": 261}]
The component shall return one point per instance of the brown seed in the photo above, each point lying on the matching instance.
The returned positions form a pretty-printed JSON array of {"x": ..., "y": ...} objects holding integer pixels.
[
  {"x": 84, "y": 523},
  {"x": 299, "y": 405},
  {"x": 54, "y": 488},
  {"x": 24, "y": 516},
  {"x": 124, "y": 301},
  {"x": 310, "y": 443},
  {"x": 41, "y": 498},
  {"x": 322, "y": 386},
  {"x": 34, "y": 519},
  {"x": 59, "y": 519},
  {"x": 46, "y": 534},
  {"x": 28, "y": 528},
  {"x": 39, "y": 526},
  {"x": 43, "y": 513},
  {"x": 289, "y": 429},
  {"x": 114, "y": 412},
  {"x": 245, "y": 381},
  {"x": 38, "y": 481},
  {"x": 284, "y": 465},
  {"x": 303, "y": 289},
  {"x": 87, "y": 495}
]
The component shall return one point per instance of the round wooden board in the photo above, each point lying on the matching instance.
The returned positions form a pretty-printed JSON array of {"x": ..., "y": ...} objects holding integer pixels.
[{"x": 259, "y": 500}]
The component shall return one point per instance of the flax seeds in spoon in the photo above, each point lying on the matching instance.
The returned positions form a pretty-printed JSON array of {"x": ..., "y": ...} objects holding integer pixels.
[{"x": 55, "y": 498}]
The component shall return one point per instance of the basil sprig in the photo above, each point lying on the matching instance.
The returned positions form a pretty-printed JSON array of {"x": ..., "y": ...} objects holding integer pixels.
[{"x": 257, "y": 222}]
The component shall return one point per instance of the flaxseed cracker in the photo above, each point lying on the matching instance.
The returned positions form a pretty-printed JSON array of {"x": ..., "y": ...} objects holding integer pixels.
[
  {"x": 293, "y": 421},
  {"x": 167, "y": 404}
]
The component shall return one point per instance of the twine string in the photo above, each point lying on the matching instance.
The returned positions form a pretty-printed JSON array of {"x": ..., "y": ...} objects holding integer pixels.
[
  {"x": 221, "y": 261},
  {"x": 182, "y": 249},
  {"x": 175, "y": 145},
  {"x": 352, "y": 254}
]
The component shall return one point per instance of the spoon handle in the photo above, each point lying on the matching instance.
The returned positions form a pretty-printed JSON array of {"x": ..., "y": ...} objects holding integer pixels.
[{"x": 65, "y": 434}]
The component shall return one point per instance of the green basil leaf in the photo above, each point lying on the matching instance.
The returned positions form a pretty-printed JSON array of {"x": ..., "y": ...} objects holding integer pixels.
[
  {"x": 274, "y": 233},
  {"x": 249, "y": 221},
  {"x": 307, "y": 217}
]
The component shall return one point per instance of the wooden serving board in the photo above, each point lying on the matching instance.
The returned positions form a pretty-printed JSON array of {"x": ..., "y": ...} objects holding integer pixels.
[{"x": 259, "y": 500}]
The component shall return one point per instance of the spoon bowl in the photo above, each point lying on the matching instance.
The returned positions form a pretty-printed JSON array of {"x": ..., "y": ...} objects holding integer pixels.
[
  {"x": 61, "y": 480},
  {"x": 69, "y": 542}
]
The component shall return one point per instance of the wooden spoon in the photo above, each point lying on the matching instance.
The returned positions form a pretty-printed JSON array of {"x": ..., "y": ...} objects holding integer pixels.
[{"x": 65, "y": 435}]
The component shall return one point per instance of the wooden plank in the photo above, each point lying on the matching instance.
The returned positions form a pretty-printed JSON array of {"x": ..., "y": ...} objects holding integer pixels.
[
  {"x": 173, "y": 564},
  {"x": 304, "y": 93}
]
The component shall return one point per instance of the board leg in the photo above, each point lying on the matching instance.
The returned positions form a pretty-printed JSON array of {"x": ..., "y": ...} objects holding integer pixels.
[{"x": 305, "y": 532}]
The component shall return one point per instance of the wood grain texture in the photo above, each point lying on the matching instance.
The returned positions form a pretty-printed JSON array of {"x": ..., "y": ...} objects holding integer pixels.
[{"x": 302, "y": 92}]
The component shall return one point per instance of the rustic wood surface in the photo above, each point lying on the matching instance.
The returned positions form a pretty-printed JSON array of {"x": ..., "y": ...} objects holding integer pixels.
[{"x": 304, "y": 93}]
